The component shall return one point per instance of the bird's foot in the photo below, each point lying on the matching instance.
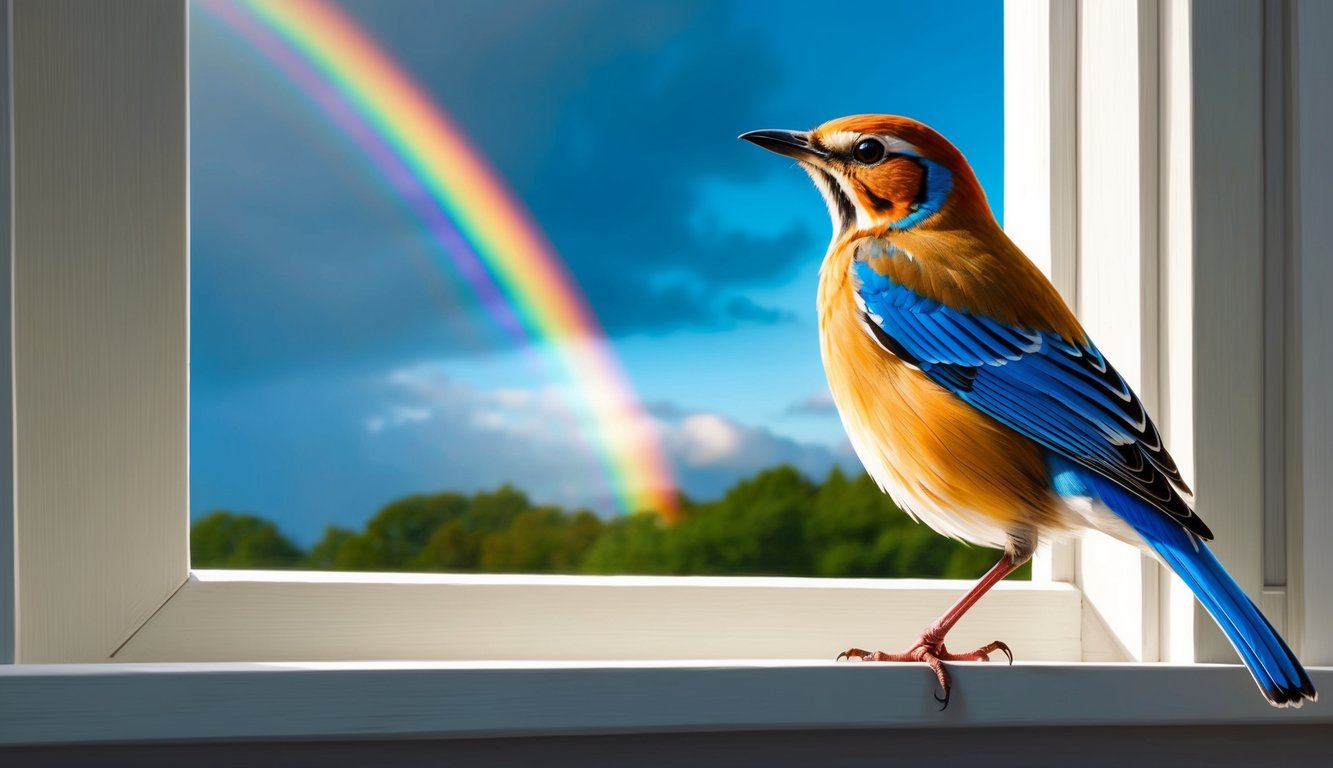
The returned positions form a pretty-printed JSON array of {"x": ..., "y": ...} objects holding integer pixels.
[{"x": 931, "y": 652}]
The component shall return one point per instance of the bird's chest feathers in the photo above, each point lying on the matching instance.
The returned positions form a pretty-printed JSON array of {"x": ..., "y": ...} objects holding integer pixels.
[
  {"x": 883, "y": 398},
  {"x": 939, "y": 458},
  {"x": 856, "y": 351}
]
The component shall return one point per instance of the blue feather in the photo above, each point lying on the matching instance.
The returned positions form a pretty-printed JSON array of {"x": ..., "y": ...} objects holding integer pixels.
[
  {"x": 1061, "y": 394},
  {"x": 935, "y": 191},
  {"x": 1275, "y": 668},
  {"x": 1098, "y": 440}
]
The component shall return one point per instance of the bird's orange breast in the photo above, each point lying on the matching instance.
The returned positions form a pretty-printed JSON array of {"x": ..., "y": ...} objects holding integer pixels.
[{"x": 948, "y": 464}]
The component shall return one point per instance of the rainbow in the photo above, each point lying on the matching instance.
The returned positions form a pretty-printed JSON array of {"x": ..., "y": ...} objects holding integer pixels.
[{"x": 492, "y": 242}]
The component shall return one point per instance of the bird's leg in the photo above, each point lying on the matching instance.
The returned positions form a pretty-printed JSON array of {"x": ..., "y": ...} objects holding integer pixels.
[{"x": 930, "y": 647}]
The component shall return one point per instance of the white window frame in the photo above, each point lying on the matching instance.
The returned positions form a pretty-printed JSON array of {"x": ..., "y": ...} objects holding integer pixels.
[
  {"x": 1117, "y": 190},
  {"x": 1099, "y": 142},
  {"x": 101, "y": 439}
]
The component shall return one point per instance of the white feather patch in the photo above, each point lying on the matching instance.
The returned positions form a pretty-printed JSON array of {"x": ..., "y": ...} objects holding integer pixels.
[
  {"x": 863, "y": 220},
  {"x": 843, "y": 141}
]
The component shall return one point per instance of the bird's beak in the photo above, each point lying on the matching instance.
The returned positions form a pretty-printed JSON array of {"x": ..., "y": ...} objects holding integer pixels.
[{"x": 790, "y": 143}]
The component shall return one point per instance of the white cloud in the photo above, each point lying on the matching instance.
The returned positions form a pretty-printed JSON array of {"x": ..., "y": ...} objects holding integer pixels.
[
  {"x": 815, "y": 404},
  {"x": 458, "y": 436},
  {"x": 710, "y": 452},
  {"x": 397, "y": 416},
  {"x": 424, "y": 392},
  {"x": 701, "y": 439}
]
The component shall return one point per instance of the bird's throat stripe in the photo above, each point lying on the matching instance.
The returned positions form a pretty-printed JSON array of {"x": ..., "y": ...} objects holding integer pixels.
[{"x": 846, "y": 211}]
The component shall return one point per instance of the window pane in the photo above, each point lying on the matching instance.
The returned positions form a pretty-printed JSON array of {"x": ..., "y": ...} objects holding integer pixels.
[{"x": 474, "y": 283}]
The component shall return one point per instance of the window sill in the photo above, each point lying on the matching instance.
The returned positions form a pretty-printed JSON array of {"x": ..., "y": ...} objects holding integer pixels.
[
  {"x": 222, "y": 616},
  {"x": 106, "y": 703}
]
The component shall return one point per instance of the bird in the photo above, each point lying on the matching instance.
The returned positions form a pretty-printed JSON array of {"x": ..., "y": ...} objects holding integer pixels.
[{"x": 974, "y": 397}]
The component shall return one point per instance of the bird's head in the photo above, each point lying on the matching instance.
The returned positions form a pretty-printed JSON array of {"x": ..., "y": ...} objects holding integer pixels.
[{"x": 882, "y": 172}]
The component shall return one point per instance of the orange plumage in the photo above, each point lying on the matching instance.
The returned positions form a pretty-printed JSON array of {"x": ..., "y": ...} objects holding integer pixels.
[{"x": 908, "y": 430}]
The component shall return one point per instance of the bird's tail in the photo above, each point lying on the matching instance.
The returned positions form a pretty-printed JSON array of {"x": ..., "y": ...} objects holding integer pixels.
[{"x": 1276, "y": 669}]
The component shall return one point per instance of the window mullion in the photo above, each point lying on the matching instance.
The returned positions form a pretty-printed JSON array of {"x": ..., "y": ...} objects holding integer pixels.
[
  {"x": 1040, "y": 176},
  {"x": 100, "y": 327},
  {"x": 1310, "y": 409}
]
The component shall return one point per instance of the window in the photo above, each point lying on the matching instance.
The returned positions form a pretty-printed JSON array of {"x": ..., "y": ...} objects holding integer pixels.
[
  {"x": 1179, "y": 101},
  {"x": 370, "y": 320}
]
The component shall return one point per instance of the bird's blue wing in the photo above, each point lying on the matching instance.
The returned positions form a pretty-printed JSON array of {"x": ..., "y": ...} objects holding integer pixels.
[{"x": 1065, "y": 396}]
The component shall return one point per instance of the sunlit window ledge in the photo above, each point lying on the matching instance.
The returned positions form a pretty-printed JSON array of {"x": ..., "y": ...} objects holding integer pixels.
[
  {"x": 47, "y": 704},
  {"x": 311, "y": 616}
]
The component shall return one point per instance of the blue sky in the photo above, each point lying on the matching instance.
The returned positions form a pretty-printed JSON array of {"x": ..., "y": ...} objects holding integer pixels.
[{"x": 330, "y": 374}]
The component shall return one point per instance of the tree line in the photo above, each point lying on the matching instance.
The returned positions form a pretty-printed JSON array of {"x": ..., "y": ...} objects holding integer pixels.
[{"x": 775, "y": 523}]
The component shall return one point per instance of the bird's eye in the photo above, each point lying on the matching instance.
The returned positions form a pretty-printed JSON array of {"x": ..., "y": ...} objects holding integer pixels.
[{"x": 868, "y": 152}]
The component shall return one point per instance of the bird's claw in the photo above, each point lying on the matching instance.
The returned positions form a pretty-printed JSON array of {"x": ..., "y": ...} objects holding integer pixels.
[
  {"x": 931, "y": 651},
  {"x": 857, "y": 653}
]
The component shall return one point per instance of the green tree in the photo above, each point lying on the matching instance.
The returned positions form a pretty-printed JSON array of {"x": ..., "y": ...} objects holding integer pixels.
[
  {"x": 545, "y": 539},
  {"x": 440, "y": 531},
  {"x": 756, "y": 528},
  {"x": 777, "y": 522},
  {"x": 452, "y": 547},
  {"x": 458, "y": 545},
  {"x": 857, "y": 530},
  {"x": 324, "y": 555},
  {"x": 495, "y": 510},
  {"x": 395, "y": 536},
  {"x": 853, "y": 528},
  {"x": 634, "y": 544},
  {"x": 225, "y": 539}
]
